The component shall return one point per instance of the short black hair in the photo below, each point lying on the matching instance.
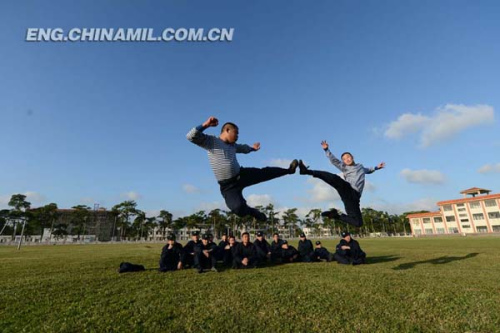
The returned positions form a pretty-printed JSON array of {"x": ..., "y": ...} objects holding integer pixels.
[
  {"x": 245, "y": 233},
  {"x": 228, "y": 125},
  {"x": 346, "y": 153},
  {"x": 232, "y": 236},
  {"x": 276, "y": 234}
]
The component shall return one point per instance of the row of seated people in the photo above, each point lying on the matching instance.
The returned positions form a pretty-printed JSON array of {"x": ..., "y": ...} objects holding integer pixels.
[{"x": 204, "y": 254}]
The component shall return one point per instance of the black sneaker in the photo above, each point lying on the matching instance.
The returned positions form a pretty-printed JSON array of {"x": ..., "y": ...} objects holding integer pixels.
[
  {"x": 332, "y": 214},
  {"x": 200, "y": 270},
  {"x": 303, "y": 170},
  {"x": 293, "y": 166}
]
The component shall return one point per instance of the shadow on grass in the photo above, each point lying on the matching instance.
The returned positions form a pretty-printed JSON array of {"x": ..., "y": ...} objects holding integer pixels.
[
  {"x": 380, "y": 259},
  {"x": 436, "y": 261}
]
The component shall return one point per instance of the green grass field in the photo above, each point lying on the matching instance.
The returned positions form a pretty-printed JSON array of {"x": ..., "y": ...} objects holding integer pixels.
[{"x": 408, "y": 285}]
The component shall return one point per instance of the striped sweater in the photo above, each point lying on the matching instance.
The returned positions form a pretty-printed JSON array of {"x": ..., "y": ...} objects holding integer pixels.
[{"x": 221, "y": 155}]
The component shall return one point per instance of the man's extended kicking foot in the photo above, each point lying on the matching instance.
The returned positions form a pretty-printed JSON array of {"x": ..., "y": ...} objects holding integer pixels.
[
  {"x": 303, "y": 170},
  {"x": 293, "y": 166},
  {"x": 332, "y": 214}
]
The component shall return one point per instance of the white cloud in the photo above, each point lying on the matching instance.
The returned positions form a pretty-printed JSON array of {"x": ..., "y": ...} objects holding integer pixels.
[
  {"x": 321, "y": 191},
  {"x": 278, "y": 162},
  {"x": 490, "y": 168},
  {"x": 399, "y": 208},
  {"x": 446, "y": 122},
  {"x": 191, "y": 189},
  {"x": 131, "y": 195},
  {"x": 406, "y": 124},
  {"x": 423, "y": 176},
  {"x": 259, "y": 200}
]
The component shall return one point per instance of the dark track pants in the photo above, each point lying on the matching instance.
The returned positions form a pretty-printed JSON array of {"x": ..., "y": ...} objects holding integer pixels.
[
  {"x": 350, "y": 197},
  {"x": 232, "y": 189}
]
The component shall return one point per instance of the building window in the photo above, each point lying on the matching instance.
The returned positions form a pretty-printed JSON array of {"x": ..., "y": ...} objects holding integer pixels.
[
  {"x": 490, "y": 203},
  {"x": 460, "y": 205},
  {"x": 438, "y": 220},
  {"x": 466, "y": 226},
  {"x": 450, "y": 218},
  {"x": 464, "y": 220},
  {"x": 478, "y": 217},
  {"x": 482, "y": 229},
  {"x": 447, "y": 208},
  {"x": 475, "y": 205},
  {"x": 418, "y": 232},
  {"x": 440, "y": 230},
  {"x": 453, "y": 230},
  {"x": 427, "y": 220},
  {"x": 461, "y": 209},
  {"x": 462, "y": 215},
  {"x": 429, "y": 231},
  {"x": 496, "y": 228},
  {"x": 494, "y": 215},
  {"x": 415, "y": 221}
]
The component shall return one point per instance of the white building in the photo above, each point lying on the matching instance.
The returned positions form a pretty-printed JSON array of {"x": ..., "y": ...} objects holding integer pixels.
[{"x": 477, "y": 212}]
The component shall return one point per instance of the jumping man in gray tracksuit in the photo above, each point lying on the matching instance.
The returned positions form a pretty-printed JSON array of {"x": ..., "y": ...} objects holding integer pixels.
[{"x": 350, "y": 189}]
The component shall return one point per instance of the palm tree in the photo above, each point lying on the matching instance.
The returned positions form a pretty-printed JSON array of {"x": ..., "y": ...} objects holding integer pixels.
[
  {"x": 151, "y": 224},
  {"x": 314, "y": 215},
  {"x": 271, "y": 215},
  {"x": 125, "y": 211},
  {"x": 166, "y": 222},
  {"x": 140, "y": 218},
  {"x": 290, "y": 219},
  {"x": 218, "y": 220},
  {"x": 18, "y": 212},
  {"x": 234, "y": 220},
  {"x": 79, "y": 218},
  {"x": 46, "y": 215}
]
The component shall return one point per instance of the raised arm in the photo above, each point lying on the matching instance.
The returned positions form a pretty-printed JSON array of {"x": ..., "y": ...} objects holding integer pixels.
[
  {"x": 378, "y": 167},
  {"x": 245, "y": 149},
  {"x": 196, "y": 135},
  {"x": 334, "y": 160}
]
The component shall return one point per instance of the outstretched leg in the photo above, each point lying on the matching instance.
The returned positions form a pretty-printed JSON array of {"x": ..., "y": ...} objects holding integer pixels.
[
  {"x": 238, "y": 205},
  {"x": 232, "y": 192},
  {"x": 252, "y": 176},
  {"x": 349, "y": 196}
]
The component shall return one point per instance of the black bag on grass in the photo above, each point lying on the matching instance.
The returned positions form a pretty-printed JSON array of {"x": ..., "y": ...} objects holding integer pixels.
[{"x": 126, "y": 267}]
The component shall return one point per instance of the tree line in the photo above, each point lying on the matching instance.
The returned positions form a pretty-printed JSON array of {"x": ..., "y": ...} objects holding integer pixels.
[{"x": 131, "y": 223}]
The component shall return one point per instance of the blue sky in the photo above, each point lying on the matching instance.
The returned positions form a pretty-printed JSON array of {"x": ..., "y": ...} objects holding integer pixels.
[{"x": 412, "y": 83}]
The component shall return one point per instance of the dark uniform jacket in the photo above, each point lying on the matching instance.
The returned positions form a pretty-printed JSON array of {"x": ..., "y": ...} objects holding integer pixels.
[
  {"x": 241, "y": 251},
  {"x": 276, "y": 248},
  {"x": 170, "y": 257},
  {"x": 322, "y": 253},
  {"x": 263, "y": 248},
  {"x": 200, "y": 260},
  {"x": 191, "y": 246},
  {"x": 355, "y": 255},
  {"x": 289, "y": 253},
  {"x": 305, "y": 248}
]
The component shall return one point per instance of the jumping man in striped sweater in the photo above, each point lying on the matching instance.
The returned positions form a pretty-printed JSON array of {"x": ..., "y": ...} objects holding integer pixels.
[{"x": 232, "y": 178}]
